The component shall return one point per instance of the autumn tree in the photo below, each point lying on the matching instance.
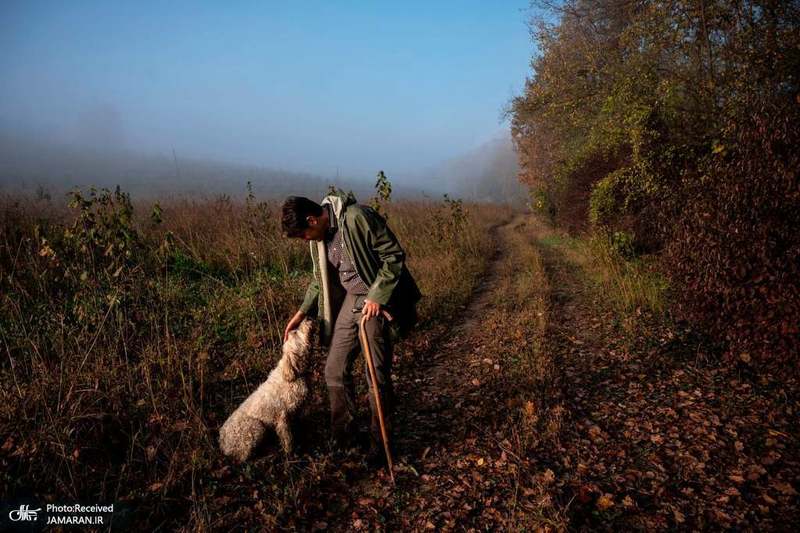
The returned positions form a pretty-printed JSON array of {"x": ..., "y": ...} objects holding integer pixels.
[{"x": 631, "y": 104}]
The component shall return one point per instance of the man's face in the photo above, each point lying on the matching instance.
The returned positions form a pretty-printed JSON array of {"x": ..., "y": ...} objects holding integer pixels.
[{"x": 315, "y": 230}]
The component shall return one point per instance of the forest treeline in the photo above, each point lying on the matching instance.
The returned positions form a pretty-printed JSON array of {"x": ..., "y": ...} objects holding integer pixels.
[{"x": 670, "y": 130}]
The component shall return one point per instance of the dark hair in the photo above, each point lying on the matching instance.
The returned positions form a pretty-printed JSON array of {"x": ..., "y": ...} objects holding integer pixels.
[{"x": 295, "y": 210}]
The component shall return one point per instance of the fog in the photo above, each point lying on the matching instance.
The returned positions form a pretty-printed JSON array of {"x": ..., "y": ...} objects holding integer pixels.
[{"x": 200, "y": 99}]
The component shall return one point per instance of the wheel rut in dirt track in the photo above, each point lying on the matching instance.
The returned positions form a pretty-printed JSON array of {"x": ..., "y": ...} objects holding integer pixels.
[{"x": 438, "y": 382}]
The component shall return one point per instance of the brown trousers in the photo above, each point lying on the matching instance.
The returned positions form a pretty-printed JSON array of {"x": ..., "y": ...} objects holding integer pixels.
[{"x": 345, "y": 347}]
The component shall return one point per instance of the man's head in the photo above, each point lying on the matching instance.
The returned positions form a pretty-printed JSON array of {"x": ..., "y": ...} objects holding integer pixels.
[{"x": 304, "y": 219}]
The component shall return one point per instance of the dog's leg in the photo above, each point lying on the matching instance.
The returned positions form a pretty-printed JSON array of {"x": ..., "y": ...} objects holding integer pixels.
[{"x": 284, "y": 433}]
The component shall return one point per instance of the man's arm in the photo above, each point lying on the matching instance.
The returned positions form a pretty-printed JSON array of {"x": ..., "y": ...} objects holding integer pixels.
[
  {"x": 309, "y": 305},
  {"x": 381, "y": 239}
]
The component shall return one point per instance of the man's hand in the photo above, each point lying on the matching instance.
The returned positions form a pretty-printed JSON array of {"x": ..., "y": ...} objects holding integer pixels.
[
  {"x": 293, "y": 323},
  {"x": 371, "y": 309}
]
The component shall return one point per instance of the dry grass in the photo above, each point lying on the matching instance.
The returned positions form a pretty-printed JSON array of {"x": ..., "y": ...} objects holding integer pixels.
[{"x": 632, "y": 286}]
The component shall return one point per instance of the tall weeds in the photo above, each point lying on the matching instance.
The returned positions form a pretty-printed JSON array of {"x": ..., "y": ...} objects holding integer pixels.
[
  {"x": 632, "y": 284},
  {"x": 130, "y": 331}
]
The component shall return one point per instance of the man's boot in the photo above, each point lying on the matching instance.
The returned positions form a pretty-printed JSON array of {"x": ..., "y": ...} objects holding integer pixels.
[{"x": 342, "y": 417}]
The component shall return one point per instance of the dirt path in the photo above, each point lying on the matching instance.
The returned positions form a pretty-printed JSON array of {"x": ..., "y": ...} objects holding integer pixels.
[{"x": 535, "y": 413}]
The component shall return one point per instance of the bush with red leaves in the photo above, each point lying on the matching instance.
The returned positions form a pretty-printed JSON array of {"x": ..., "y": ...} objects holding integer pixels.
[{"x": 735, "y": 253}]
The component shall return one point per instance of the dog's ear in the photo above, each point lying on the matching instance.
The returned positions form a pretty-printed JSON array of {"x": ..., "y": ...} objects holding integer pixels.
[
  {"x": 306, "y": 329},
  {"x": 287, "y": 369}
]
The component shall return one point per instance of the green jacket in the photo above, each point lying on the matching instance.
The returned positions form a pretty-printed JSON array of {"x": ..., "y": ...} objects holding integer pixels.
[{"x": 379, "y": 261}]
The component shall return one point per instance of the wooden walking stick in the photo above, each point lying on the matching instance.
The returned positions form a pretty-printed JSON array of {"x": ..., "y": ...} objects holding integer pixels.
[{"x": 368, "y": 355}]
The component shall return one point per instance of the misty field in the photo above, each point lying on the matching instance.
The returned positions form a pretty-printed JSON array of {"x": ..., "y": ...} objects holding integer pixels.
[{"x": 130, "y": 332}]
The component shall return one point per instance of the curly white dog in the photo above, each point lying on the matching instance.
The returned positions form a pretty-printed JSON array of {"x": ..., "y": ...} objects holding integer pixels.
[{"x": 273, "y": 402}]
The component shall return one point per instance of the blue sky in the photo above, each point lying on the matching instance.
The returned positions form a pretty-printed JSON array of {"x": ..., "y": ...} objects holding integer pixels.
[{"x": 307, "y": 86}]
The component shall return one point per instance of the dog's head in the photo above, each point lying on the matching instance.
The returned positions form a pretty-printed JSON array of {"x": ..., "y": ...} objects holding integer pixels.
[{"x": 298, "y": 346}]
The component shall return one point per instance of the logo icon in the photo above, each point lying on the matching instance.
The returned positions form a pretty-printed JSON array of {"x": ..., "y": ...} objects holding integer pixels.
[{"x": 24, "y": 513}]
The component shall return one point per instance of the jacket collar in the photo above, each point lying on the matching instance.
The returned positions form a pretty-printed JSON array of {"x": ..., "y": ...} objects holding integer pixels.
[
  {"x": 333, "y": 223},
  {"x": 338, "y": 202}
]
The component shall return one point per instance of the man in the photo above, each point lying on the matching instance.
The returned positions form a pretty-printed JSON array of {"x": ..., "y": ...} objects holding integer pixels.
[{"x": 359, "y": 270}]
